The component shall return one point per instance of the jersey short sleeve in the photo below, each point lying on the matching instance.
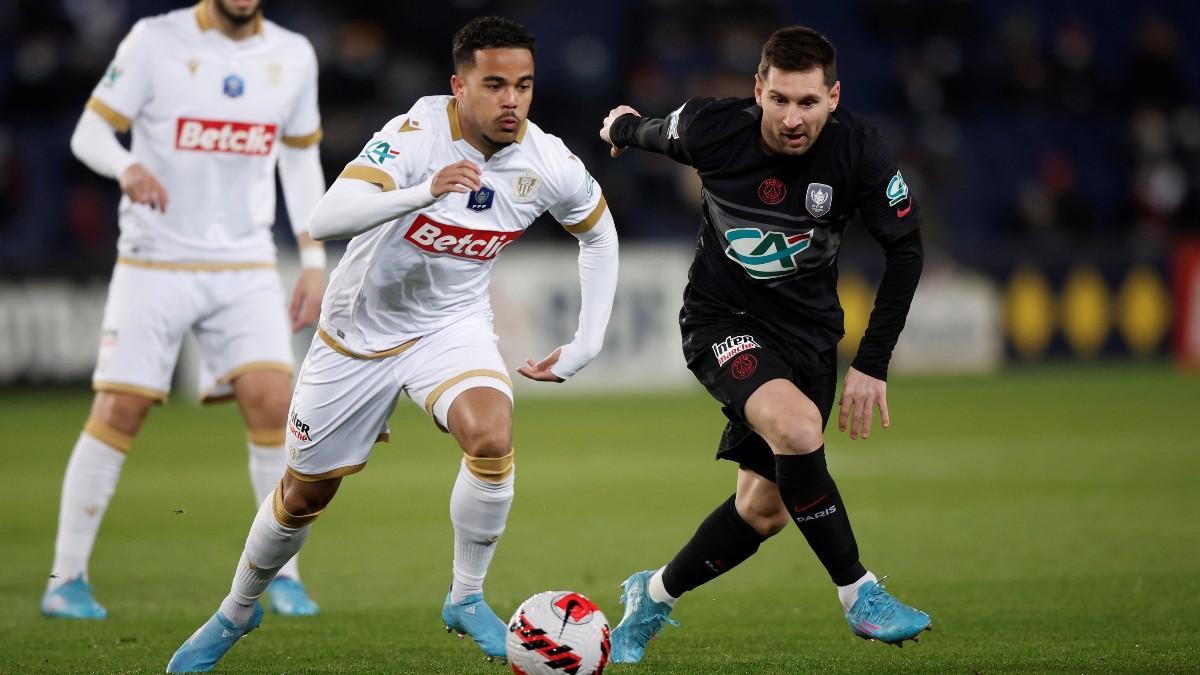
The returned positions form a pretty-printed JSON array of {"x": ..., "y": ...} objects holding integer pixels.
[
  {"x": 578, "y": 202},
  {"x": 396, "y": 155},
  {"x": 884, "y": 200},
  {"x": 125, "y": 86},
  {"x": 303, "y": 127}
]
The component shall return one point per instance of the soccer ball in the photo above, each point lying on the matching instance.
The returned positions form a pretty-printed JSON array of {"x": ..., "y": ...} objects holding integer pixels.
[{"x": 557, "y": 632}]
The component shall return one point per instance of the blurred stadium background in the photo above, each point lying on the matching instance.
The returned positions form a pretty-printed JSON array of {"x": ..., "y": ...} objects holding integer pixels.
[{"x": 1055, "y": 148}]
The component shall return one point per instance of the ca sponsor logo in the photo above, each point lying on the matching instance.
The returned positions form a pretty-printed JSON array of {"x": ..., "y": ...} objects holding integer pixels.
[
  {"x": 766, "y": 255},
  {"x": 731, "y": 346},
  {"x": 460, "y": 242},
  {"x": 378, "y": 152},
  {"x": 239, "y": 138}
]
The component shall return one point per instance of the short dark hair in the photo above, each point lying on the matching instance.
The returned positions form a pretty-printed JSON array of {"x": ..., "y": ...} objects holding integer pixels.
[
  {"x": 799, "y": 48},
  {"x": 489, "y": 32}
]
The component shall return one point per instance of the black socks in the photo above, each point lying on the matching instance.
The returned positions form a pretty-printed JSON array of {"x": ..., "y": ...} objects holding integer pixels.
[
  {"x": 723, "y": 541},
  {"x": 813, "y": 501}
]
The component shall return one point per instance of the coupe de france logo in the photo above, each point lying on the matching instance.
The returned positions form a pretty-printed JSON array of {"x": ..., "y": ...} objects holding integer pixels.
[
  {"x": 481, "y": 199},
  {"x": 766, "y": 255},
  {"x": 234, "y": 86},
  {"x": 818, "y": 199}
]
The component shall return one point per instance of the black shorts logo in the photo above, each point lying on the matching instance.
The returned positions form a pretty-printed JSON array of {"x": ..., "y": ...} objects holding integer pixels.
[
  {"x": 731, "y": 346},
  {"x": 744, "y": 366}
]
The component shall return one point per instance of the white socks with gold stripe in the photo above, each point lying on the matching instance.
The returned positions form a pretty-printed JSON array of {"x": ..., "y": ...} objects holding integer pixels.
[
  {"x": 88, "y": 485},
  {"x": 479, "y": 505},
  {"x": 267, "y": 464},
  {"x": 270, "y": 544}
]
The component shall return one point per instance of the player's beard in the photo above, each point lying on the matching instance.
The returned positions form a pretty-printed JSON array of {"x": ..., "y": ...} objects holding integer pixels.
[{"x": 235, "y": 18}]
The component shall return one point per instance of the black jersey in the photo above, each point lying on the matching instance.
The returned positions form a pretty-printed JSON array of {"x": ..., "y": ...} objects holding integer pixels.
[{"x": 772, "y": 225}]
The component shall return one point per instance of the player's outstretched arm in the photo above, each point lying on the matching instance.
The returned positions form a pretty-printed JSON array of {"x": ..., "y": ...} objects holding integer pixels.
[
  {"x": 606, "y": 127},
  {"x": 95, "y": 144},
  {"x": 624, "y": 128},
  {"x": 353, "y": 206}
]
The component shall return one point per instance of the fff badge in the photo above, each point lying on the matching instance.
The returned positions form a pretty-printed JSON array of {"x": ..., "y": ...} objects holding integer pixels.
[
  {"x": 234, "y": 86},
  {"x": 481, "y": 199}
]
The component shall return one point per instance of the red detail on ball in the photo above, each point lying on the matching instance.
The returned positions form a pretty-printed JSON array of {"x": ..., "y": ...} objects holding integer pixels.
[
  {"x": 576, "y": 606},
  {"x": 772, "y": 191},
  {"x": 744, "y": 366}
]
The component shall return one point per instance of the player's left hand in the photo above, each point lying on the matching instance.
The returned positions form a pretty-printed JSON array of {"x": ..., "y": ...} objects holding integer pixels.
[
  {"x": 860, "y": 394},
  {"x": 606, "y": 129},
  {"x": 540, "y": 371},
  {"x": 306, "y": 297}
]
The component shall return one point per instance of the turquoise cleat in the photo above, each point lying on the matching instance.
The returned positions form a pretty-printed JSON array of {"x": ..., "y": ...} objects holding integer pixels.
[
  {"x": 876, "y": 615},
  {"x": 200, "y": 652},
  {"x": 642, "y": 621},
  {"x": 288, "y": 597},
  {"x": 73, "y": 600},
  {"x": 473, "y": 617}
]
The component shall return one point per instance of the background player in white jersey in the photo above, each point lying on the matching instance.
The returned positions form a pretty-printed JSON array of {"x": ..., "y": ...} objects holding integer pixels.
[
  {"x": 211, "y": 93},
  {"x": 431, "y": 201}
]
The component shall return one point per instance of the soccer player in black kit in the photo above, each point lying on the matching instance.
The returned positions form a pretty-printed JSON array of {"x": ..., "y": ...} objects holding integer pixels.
[{"x": 782, "y": 174}]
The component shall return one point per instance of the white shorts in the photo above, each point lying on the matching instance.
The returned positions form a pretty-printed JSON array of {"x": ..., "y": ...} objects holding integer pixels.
[
  {"x": 238, "y": 317},
  {"x": 341, "y": 404}
]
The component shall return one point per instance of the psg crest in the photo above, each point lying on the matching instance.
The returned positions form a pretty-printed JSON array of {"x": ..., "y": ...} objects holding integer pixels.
[
  {"x": 481, "y": 199},
  {"x": 818, "y": 199}
]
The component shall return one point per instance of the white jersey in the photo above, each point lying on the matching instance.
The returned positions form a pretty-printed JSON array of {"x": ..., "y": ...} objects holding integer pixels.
[
  {"x": 207, "y": 115},
  {"x": 424, "y": 271}
]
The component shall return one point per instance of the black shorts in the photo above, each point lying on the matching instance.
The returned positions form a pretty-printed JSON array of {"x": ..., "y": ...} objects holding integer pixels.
[{"x": 732, "y": 357}]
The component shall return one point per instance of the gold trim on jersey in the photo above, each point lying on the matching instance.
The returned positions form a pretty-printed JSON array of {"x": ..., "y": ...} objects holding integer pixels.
[
  {"x": 337, "y": 347},
  {"x": 335, "y": 473},
  {"x": 115, "y": 119},
  {"x": 456, "y": 126},
  {"x": 99, "y": 430},
  {"x": 589, "y": 222},
  {"x": 209, "y": 398},
  {"x": 194, "y": 266},
  {"x": 266, "y": 437},
  {"x": 452, "y": 113},
  {"x": 441, "y": 388},
  {"x": 120, "y": 388},
  {"x": 286, "y": 519},
  {"x": 490, "y": 469},
  {"x": 370, "y": 174},
  {"x": 204, "y": 23},
  {"x": 305, "y": 141}
]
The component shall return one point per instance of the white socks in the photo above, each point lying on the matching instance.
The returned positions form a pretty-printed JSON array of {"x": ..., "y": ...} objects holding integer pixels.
[
  {"x": 268, "y": 546},
  {"x": 267, "y": 464},
  {"x": 88, "y": 485},
  {"x": 658, "y": 592},
  {"x": 478, "y": 511},
  {"x": 849, "y": 594}
]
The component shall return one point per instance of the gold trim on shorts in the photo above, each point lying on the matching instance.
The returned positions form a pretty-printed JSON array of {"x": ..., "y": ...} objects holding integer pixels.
[
  {"x": 305, "y": 141},
  {"x": 335, "y": 473},
  {"x": 155, "y": 395},
  {"x": 441, "y": 388},
  {"x": 115, "y": 119},
  {"x": 383, "y": 437},
  {"x": 266, "y": 437},
  {"x": 194, "y": 266},
  {"x": 208, "y": 398},
  {"x": 591, "y": 220},
  {"x": 286, "y": 519},
  {"x": 337, "y": 347},
  {"x": 371, "y": 175},
  {"x": 99, "y": 430}
]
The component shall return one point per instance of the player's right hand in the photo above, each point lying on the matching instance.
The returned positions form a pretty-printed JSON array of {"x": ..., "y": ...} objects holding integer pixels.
[
  {"x": 606, "y": 129},
  {"x": 143, "y": 188},
  {"x": 462, "y": 176}
]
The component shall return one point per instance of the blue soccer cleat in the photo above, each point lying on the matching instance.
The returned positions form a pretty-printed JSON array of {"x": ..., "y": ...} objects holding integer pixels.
[
  {"x": 73, "y": 600},
  {"x": 288, "y": 597},
  {"x": 642, "y": 621},
  {"x": 473, "y": 617},
  {"x": 876, "y": 615},
  {"x": 200, "y": 652}
]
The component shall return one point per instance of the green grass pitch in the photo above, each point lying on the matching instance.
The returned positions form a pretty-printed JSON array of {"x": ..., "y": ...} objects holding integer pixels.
[{"x": 1046, "y": 519}]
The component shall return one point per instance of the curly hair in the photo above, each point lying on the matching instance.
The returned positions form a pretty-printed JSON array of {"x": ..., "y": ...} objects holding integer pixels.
[{"x": 489, "y": 32}]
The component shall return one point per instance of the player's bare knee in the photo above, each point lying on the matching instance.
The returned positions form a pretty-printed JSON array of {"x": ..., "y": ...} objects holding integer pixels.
[
  {"x": 488, "y": 443},
  {"x": 305, "y": 499},
  {"x": 121, "y": 412},
  {"x": 767, "y": 517},
  {"x": 796, "y": 437}
]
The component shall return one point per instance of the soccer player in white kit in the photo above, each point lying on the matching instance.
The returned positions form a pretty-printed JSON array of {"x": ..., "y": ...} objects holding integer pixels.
[
  {"x": 216, "y": 97},
  {"x": 431, "y": 201}
]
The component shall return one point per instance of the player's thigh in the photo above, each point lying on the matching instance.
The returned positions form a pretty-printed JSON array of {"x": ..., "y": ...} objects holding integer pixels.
[
  {"x": 787, "y": 418},
  {"x": 480, "y": 419},
  {"x": 246, "y": 330},
  {"x": 119, "y": 412},
  {"x": 146, "y": 316},
  {"x": 339, "y": 410},
  {"x": 451, "y": 361},
  {"x": 759, "y": 504},
  {"x": 263, "y": 397}
]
